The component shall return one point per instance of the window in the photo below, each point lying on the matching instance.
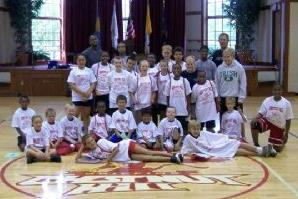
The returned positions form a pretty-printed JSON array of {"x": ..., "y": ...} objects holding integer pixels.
[
  {"x": 46, "y": 29},
  {"x": 218, "y": 23},
  {"x": 125, "y": 15}
]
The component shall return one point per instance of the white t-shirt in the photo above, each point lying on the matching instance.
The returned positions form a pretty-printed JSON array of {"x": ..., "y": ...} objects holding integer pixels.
[
  {"x": 104, "y": 149},
  {"x": 101, "y": 73},
  {"x": 161, "y": 84},
  {"x": 82, "y": 78},
  {"x": 203, "y": 96},
  {"x": 119, "y": 84},
  {"x": 39, "y": 139},
  {"x": 166, "y": 128},
  {"x": 100, "y": 125},
  {"x": 22, "y": 118},
  {"x": 178, "y": 90},
  {"x": 211, "y": 144},
  {"x": 153, "y": 71},
  {"x": 231, "y": 124},
  {"x": 54, "y": 130},
  {"x": 143, "y": 87},
  {"x": 277, "y": 112},
  {"x": 72, "y": 128},
  {"x": 123, "y": 122},
  {"x": 147, "y": 131}
]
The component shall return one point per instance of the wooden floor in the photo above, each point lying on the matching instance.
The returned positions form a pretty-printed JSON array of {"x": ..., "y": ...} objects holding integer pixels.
[{"x": 238, "y": 178}]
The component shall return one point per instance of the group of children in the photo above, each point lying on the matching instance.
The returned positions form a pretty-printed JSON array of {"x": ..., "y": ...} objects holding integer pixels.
[{"x": 146, "y": 112}]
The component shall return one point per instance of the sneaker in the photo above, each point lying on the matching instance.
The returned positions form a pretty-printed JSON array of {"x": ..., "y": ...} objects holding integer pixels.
[
  {"x": 30, "y": 159},
  {"x": 273, "y": 152},
  {"x": 55, "y": 158},
  {"x": 265, "y": 151},
  {"x": 180, "y": 156},
  {"x": 175, "y": 159}
]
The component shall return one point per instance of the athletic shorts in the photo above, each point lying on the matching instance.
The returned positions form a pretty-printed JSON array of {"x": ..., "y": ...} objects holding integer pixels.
[
  {"x": 276, "y": 133},
  {"x": 131, "y": 148},
  {"x": 87, "y": 103}
]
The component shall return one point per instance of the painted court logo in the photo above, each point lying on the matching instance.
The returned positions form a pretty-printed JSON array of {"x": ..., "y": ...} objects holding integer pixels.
[{"x": 196, "y": 177}]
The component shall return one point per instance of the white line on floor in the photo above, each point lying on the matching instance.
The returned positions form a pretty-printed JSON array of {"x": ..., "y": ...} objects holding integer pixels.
[{"x": 283, "y": 181}]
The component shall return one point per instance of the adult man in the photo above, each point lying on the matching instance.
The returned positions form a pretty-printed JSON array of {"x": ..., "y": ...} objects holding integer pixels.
[
  {"x": 223, "y": 40},
  {"x": 93, "y": 52}
]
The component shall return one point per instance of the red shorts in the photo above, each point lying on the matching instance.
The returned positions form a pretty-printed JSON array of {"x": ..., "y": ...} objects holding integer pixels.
[
  {"x": 276, "y": 133},
  {"x": 131, "y": 148}
]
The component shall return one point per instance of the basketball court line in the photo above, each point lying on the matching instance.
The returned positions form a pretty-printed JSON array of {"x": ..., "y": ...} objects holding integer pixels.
[
  {"x": 281, "y": 179},
  {"x": 294, "y": 135}
]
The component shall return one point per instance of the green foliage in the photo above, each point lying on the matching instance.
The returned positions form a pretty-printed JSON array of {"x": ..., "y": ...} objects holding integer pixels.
[
  {"x": 41, "y": 55},
  {"x": 243, "y": 14},
  {"x": 21, "y": 14}
]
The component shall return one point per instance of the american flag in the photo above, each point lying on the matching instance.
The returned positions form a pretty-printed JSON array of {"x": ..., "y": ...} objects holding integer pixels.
[{"x": 130, "y": 31}]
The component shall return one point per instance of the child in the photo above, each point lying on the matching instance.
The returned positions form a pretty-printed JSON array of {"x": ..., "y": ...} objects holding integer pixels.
[
  {"x": 153, "y": 70},
  {"x": 143, "y": 91},
  {"x": 232, "y": 122},
  {"x": 38, "y": 145},
  {"x": 178, "y": 56},
  {"x": 147, "y": 131},
  {"x": 191, "y": 73},
  {"x": 99, "y": 124},
  {"x": 123, "y": 151},
  {"x": 130, "y": 66},
  {"x": 206, "y": 64},
  {"x": 170, "y": 132},
  {"x": 178, "y": 95},
  {"x": 21, "y": 120},
  {"x": 123, "y": 123},
  {"x": 204, "y": 143},
  {"x": 118, "y": 81},
  {"x": 101, "y": 71},
  {"x": 162, "y": 77},
  {"x": 275, "y": 114},
  {"x": 166, "y": 51},
  {"x": 72, "y": 131},
  {"x": 230, "y": 80},
  {"x": 53, "y": 128},
  {"x": 204, "y": 95},
  {"x": 82, "y": 83},
  {"x": 121, "y": 48}
]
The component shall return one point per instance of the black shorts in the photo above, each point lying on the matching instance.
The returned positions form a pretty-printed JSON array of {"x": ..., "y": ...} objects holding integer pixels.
[
  {"x": 87, "y": 103},
  {"x": 161, "y": 108},
  {"x": 208, "y": 124}
]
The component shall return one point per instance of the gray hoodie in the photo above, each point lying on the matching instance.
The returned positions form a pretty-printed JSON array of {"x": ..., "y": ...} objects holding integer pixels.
[{"x": 231, "y": 80}]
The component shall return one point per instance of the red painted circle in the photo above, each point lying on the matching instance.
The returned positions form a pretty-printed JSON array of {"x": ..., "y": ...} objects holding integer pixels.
[{"x": 259, "y": 184}]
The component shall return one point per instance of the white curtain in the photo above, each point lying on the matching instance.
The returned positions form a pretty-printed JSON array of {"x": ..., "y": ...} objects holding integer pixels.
[
  {"x": 7, "y": 43},
  {"x": 263, "y": 37}
]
